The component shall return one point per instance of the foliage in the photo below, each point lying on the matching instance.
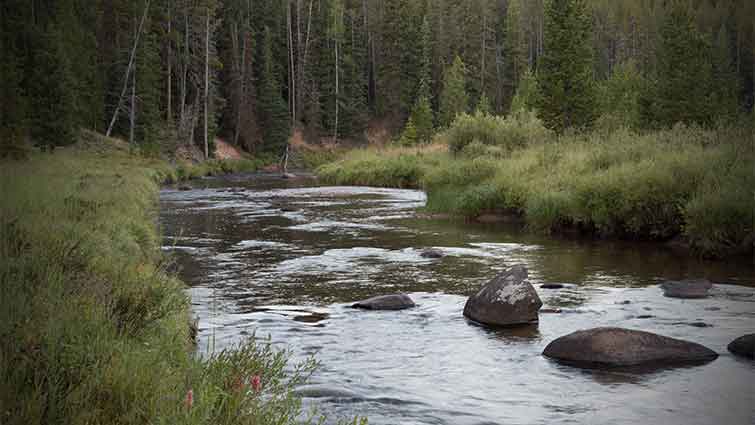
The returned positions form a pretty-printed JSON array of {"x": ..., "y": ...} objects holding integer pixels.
[
  {"x": 565, "y": 74},
  {"x": 96, "y": 329},
  {"x": 453, "y": 99},
  {"x": 619, "y": 97},
  {"x": 507, "y": 133},
  {"x": 526, "y": 94},
  {"x": 682, "y": 90},
  {"x": 685, "y": 181}
]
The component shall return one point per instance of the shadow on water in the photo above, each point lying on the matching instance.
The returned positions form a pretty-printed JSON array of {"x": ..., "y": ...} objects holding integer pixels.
[{"x": 286, "y": 259}]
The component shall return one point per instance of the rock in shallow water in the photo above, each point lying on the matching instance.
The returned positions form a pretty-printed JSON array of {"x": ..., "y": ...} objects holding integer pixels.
[
  {"x": 507, "y": 300},
  {"x": 625, "y": 347},
  {"x": 431, "y": 253},
  {"x": 743, "y": 346},
  {"x": 386, "y": 302},
  {"x": 697, "y": 288},
  {"x": 551, "y": 286}
]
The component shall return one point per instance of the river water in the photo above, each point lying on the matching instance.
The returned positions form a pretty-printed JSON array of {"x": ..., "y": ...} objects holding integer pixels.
[{"x": 285, "y": 259}]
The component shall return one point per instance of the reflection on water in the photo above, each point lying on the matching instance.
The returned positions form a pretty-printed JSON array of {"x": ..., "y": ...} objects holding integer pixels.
[{"x": 286, "y": 259}]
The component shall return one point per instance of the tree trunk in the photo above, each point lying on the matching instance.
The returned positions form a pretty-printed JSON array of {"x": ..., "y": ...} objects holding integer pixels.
[
  {"x": 132, "y": 119},
  {"x": 170, "y": 70},
  {"x": 128, "y": 70},
  {"x": 292, "y": 69},
  {"x": 207, "y": 86}
]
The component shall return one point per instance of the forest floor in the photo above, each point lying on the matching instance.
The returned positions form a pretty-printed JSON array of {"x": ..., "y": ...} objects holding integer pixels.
[
  {"x": 691, "y": 186},
  {"x": 95, "y": 328}
]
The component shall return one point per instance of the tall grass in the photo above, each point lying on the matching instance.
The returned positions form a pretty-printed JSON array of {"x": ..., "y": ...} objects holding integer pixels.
[
  {"x": 94, "y": 330},
  {"x": 685, "y": 181}
]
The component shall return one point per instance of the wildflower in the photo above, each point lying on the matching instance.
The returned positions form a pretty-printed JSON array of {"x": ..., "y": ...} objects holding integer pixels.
[
  {"x": 189, "y": 401},
  {"x": 256, "y": 383}
]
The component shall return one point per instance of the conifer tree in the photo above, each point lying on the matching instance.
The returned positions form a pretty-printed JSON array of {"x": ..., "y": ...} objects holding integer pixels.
[
  {"x": 682, "y": 89},
  {"x": 526, "y": 95},
  {"x": 409, "y": 135},
  {"x": 726, "y": 82},
  {"x": 565, "y": 74},
  {"x": 273, "y": 110},
  {"x": 453, "y": 99}
]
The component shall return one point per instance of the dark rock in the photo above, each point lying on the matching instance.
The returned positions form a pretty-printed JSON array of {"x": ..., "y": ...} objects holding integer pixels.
[
  {"x": 551, "y": 286},
  {"x": 507, "y": 300},
  {"x": 386, "y": 302},
  {"x": 645, "y": 316},
  {"x": 551, "y": 310},
  {"x": 625, "y": 302},
  {"x": 431, "y": 253},
  {"x": 694, "y": 324},
  {"x": 692, "y": 288},
  {"x": 616, "y": 347},
  {"x": 184, "y": 187},
  {"x": 743, "y": 346}
]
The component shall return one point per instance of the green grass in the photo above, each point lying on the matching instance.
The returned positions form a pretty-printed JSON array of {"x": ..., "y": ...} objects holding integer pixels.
[
  {"x": 94, "y": 330},
  {"x": 684, "y": 181}
]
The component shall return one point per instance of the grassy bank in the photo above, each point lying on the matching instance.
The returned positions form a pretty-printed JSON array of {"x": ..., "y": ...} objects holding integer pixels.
[
  {"x": 687, "y": 182},
  {"x": 94, "y": 330}
]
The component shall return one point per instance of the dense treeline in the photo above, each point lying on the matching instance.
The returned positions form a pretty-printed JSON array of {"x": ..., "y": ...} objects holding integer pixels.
[{"x": 164, "y": 73}]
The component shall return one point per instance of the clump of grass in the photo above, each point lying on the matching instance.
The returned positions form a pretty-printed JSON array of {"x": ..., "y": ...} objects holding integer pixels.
[
  {"x": 94, "y": 329},
  {"x": 684, "y": 181},
  {"x": 507, "y": 134}
]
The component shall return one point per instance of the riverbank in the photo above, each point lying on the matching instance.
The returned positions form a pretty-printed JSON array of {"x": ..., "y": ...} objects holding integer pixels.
[
  {"x": 688, "y": 185},
  {"x": 95, "y": 328}
]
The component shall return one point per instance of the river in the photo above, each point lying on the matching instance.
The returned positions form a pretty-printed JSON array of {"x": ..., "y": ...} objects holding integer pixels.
[{"x": 285, "y": 259}]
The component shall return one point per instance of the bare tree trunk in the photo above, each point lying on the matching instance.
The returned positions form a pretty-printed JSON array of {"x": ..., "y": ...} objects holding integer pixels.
[
  {"x": 207, "y": 86},
  {"x": 335, "y": 128},
  {"x": 170, "y": 70},
  {"x": 292, "y": 69},
  {"x": 128, "y": 70},
  {"x": 185, "y": 69},
  {"x": 484, "y": 36},
  {"x": 132, "y": 119}
]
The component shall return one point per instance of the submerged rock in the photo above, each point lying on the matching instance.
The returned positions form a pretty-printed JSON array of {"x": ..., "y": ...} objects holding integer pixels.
[
  {"x": 625, "y": 347},
  {"x": 507, "y": 300},
  {"x": 691, "y": 288},
  {"x": 431, "y": 253},
  {"x": 386, "y": 302},
  {"x": 743, "y": 346},
  {"x": 551, "y": 286}
]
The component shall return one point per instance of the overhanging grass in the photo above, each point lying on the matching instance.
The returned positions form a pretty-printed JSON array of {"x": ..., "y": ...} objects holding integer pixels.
[
  {"x": 93, "y": 328},
  {"x": 684, "y": 181}
]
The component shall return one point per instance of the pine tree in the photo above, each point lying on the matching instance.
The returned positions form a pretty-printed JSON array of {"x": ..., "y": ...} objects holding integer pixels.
[
  {"x": 565, "y": 80},
  {"x": 409, "y": 135},
  {"x": 483, "y": 105},
  {"x": 453, "y": 99},
  {"x": 53, "y": 121},
  {"x": 682, "y": 90},
  {"x": 526, "y": 95},
  {"x": 726, "y": 84},
  {"x": 274, "y": 117},
  {"x": 514, "y": 54},
  {"x": 422, "y": 119}
]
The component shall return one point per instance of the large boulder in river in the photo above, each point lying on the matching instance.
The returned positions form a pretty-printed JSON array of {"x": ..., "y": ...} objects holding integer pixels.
[
  {"x": 743, "y": 346},
  {"x": 386, "y": 302},
  {"x": 691, "y": 288},
  {"x": 625, "y": 347},
  {"x": 507, "y": 300}
]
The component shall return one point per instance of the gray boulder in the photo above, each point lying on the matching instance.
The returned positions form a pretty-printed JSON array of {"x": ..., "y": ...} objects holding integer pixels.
[
  {"x": 615, "y": 347},
  {"x": 743, "y": 346},
  {"x": 691, "y": 288},
  {"x": 431, "y": 253},
  {"x": 386, "y": 302},
  {"x": 507, "y": 300}
]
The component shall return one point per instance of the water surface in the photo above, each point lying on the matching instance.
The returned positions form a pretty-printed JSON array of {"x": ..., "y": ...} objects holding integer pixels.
[{"x": 285, "y": 259}]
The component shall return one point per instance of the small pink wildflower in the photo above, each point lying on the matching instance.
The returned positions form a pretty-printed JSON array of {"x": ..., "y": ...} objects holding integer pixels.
[
  {"x": 189, "y": 401},
  {"x": 256, "y": 383}
]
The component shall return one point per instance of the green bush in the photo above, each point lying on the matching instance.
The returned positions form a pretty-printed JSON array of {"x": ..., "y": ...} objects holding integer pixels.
[{"x": 508, "y": 134}]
